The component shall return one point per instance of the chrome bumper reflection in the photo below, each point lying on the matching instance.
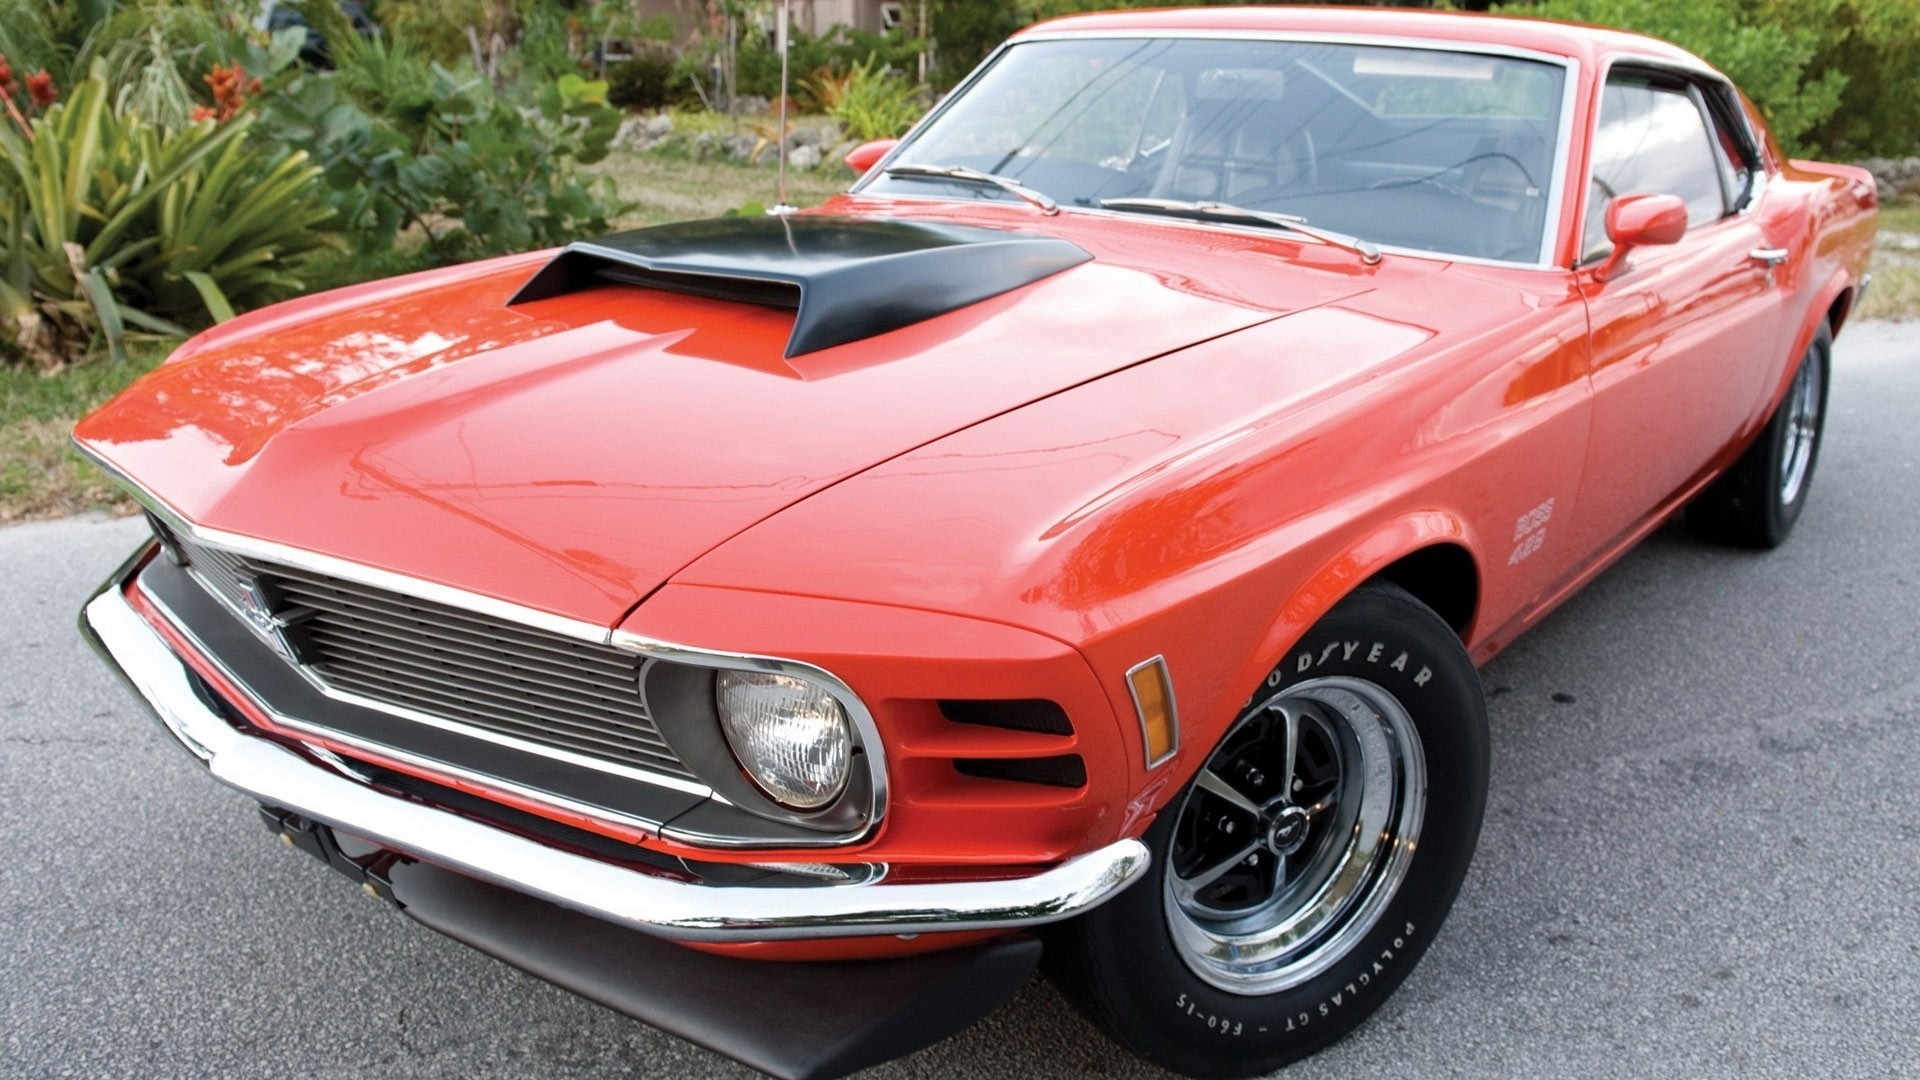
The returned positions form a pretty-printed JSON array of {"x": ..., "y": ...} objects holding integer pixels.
[{"x": 666, "y": 908}]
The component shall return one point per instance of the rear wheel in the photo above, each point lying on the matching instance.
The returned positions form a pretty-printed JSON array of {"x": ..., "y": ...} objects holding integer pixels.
[
  {"x": 1306, "y": 867},
  {"x": 1758, "y": 500}
]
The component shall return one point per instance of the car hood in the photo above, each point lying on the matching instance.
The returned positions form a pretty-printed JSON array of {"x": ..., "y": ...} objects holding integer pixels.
[{"x": 571, "y": 451}]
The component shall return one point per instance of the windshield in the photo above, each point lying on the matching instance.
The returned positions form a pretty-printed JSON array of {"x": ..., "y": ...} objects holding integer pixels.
[{"x": 1448, "y": 152}]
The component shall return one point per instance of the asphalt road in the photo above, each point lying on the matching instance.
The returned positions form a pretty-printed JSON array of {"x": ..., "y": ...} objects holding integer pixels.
[{"x": 1701, "y": 857}]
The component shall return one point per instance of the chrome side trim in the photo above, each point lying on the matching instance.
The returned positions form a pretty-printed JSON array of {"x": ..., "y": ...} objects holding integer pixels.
[
  {"x": 659, "y": 906},
  {"x": 268, "y": 551}
]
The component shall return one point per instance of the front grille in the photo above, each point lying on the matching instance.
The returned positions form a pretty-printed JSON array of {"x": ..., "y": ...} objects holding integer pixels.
[
  {"x": 460, "y": 667},
  {"x": 222, "y": 572}
]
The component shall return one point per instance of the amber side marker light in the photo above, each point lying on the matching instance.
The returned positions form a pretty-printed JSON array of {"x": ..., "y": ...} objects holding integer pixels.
[{"x": 1152, "y": 691}]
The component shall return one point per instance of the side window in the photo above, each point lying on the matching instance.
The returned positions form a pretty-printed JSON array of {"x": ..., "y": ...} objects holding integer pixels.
[
  {"x": 1652, "y": 140},
  {"x": 1738, "y": 158}
]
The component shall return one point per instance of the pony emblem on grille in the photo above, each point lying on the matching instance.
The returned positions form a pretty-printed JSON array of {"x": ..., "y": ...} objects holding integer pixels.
[{"x": 257, "y": 607}]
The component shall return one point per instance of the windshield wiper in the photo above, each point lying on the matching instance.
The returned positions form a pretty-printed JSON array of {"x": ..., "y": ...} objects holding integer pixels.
[
  {"x": 974, "y": 176},
  {"x": 1220, "y": 211}
]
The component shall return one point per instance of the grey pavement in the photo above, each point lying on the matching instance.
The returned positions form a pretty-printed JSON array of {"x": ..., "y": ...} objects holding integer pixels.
[{"x": 1701, "y": 856}]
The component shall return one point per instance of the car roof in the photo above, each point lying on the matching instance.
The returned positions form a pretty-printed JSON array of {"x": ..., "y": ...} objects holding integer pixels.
[{"x": 1588, "y": 44}]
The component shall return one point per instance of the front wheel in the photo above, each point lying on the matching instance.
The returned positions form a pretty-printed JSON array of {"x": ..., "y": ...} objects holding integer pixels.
[{"x": 1308, "y": 864}]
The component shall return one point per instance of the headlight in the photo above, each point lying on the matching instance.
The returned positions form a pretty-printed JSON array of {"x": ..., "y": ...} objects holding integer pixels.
[{"x": 790, "y": 735}]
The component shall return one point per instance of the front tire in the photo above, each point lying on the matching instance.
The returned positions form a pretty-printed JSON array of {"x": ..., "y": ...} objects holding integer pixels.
[
  {"x": 1307, "y": 866},
  {"x": 1758, "y": 500}
]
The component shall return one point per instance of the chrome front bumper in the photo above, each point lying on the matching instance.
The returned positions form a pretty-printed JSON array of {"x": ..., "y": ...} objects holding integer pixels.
[{"x": 666, "y": 908}]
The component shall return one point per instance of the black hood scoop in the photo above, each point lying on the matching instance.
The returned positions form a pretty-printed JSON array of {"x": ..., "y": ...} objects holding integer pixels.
[{"x": 846, "y": 278}]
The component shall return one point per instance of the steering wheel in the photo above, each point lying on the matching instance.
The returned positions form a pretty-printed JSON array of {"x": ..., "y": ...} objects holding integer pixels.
[{"x": 1457, "y": 189}]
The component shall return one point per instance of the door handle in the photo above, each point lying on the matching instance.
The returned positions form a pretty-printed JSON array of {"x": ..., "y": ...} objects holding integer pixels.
[{"x": 1769, "y": 257}]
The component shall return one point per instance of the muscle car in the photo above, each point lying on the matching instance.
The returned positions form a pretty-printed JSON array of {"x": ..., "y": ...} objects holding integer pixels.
[{"x": 1079, "y": 538}]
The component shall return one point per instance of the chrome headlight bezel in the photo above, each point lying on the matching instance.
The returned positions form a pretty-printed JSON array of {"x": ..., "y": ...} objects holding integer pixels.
[{"x": 680, "y": 684}]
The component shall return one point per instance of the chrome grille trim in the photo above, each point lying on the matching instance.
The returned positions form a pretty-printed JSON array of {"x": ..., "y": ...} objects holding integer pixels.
[
  {"x": 219, "y": 572},
  {"x": 650, "y": 650},
  {"x": 525, "y": 686}
]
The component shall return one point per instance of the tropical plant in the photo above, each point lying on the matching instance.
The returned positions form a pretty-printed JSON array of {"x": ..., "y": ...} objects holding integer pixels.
[
  {"x": 133, "y": 37},
  {"x": 835, "y": 51},
  {"x": 869, "y": 100},
  {"x": 114, "y": 227},
  {"x": 410, "y": 144}
]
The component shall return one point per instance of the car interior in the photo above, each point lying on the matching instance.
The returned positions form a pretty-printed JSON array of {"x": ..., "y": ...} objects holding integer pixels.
[{"x": 1451, "y": 153}]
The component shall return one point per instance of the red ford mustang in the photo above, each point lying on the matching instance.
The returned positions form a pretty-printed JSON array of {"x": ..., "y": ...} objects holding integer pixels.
[{"x": 1091, "y": 522}]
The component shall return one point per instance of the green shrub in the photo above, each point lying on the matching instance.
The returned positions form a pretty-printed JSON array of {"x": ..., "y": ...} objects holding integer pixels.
[
  {"x": 758, "y": 70},
  {"x": 1876, "y": 45},
  {"x": 1831, "y": 76},
  {"x": 644, "y": 82},
  {"x": 869, "y": 101},
  {"x": 473, "y": 171},
  {"x": 438, "y": 28},
  {"x": 114, "y": 227},
  {"x": 1768, "y": 60}
]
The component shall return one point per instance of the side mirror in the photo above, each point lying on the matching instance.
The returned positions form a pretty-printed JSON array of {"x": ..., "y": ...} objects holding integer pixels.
[
  {"x": 1639, "y": 221},
  {"x": 868, "y": 154}
]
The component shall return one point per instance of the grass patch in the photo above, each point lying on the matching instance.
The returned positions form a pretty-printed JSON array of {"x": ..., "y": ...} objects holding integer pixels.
[
  {"x": 41, "y": 476},
  {"x": 1896, "y": 286},
  {"x": 1901, "y": 215},
  {"x": 665, "y": 188},
  {"x": 1896, "y": 264}
]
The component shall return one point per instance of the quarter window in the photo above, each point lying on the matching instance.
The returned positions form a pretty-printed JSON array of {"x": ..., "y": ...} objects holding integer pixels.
[{"x": 1652, "y": 140}]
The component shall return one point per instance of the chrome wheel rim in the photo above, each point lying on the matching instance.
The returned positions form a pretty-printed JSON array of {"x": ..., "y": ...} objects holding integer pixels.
[
  {"x": 1803, "y": 430},
  {"x": 1295, "y": 836}
]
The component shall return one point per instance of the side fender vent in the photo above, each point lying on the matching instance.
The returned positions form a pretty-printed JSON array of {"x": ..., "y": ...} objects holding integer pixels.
[
  {"x": 1037, "y": 716},
  {"x": 1061, "y": 770}
]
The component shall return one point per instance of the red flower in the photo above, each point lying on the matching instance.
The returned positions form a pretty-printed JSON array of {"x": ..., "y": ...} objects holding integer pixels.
[
  {"x": 201, "y": 112},
  {"x": 230, "y": 88},
  {"x": 6, "y": 78},
  {"x": 41, "y": 89}
]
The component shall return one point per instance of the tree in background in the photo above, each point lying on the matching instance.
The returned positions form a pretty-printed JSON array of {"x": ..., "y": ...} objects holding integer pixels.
[{"x": 1835, "y": 77}]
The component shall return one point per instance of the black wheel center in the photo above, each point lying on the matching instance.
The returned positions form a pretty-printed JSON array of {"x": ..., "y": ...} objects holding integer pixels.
[{"x": 1287, "y": 830}]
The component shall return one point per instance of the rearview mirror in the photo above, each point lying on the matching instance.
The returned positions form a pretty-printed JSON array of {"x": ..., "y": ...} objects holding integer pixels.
[
  {"x": 1639, "y": 221},
  {"x": 868, "y": 154}
]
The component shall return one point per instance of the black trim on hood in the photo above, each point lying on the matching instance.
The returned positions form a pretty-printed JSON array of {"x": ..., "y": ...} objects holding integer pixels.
[{"x": 848, "y": 278}]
